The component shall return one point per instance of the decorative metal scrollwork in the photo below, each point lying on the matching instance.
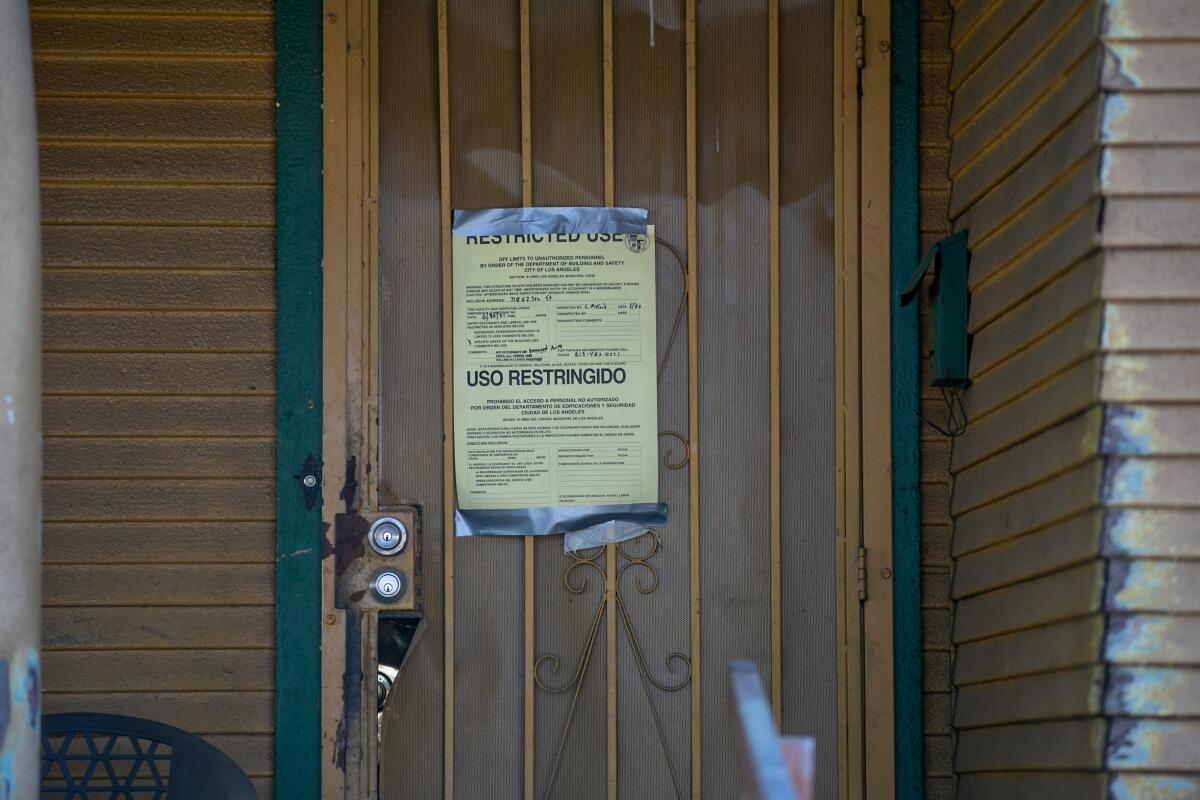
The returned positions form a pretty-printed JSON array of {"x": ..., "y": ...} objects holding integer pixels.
[
  {"x": 643, "y": 576},
  {"x": 668, "y": 461},
  {"x": 583, "y": 560}
]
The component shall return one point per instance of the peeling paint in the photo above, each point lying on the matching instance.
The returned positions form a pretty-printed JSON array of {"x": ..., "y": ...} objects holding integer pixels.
[
  {"x": 351, "y": 538},
  {"x": 1116, "y": 576},
  {"x": 1115, "y": 73},
  {"x": 1106, "y": 168},
  {"x": 296, "y": 553},
  {"x": 1128, "y": 430},
  {"x": 339, "y": 745},
  {"x": 1154, "y": 787},
  {"x": 8, "y": 780},
  {"x": 1152, "y": 638},
  {"x": 20, "y": 717},
  {"x": 1150, "y": 533},
  {"x": 1151, "y": 744},
  {"x": 1119, "y": 533},
  {"x": 1152, "y": 691},
  {"x": 1115, "y": 334},
  {"x": 1116, "y": 109},
  {"x": 1122, "y": 743},
  {"x": 1125, "y": 480},
  {"x": 1152, "y": 585},
  {"x": 33, "y": 692},
  {"x": 5, "y": 703},
  {"x": 1149, "y": 19},
  {"x": 350, "y": 485},
  {"x": 1106, "y": 17}
]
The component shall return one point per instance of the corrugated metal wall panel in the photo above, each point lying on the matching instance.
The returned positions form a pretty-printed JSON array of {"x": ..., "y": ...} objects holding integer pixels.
[
  {"x": 157, "y": 125},
  {"x": 1025, "y": 172}
]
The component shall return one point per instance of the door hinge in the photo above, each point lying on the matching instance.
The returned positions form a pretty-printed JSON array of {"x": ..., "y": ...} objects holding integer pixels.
[
  {"x": 860, "y": 41},
  {"x": 862, "y": 573}
]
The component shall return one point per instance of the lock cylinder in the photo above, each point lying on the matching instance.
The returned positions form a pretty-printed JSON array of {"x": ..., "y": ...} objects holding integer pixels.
[
  {"x": 376, "y": 560},
  {"x": 387, "y": 585},
  {"x": 388, "y": 536}
]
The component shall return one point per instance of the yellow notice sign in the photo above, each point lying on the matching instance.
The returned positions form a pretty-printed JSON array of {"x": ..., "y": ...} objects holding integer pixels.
[{"x": 555, "y": 390}]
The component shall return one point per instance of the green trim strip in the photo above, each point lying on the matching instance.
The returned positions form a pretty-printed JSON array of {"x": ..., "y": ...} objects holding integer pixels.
[
  {"x": 906, "y": 464},
  {"x": 298, "y": 221}
]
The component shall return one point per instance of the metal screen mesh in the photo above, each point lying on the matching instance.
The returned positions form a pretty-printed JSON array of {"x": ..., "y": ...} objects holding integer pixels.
[{"x": 733, "y": 209}]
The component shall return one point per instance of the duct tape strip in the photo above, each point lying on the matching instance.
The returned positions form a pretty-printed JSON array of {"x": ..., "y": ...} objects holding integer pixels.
[
  {"x": 548, "y": 219},
  {"x": 561, "y": 519}
]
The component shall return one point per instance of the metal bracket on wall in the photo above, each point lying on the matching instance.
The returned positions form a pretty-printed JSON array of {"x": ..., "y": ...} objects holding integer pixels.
[{"x": 861, "y": 563}]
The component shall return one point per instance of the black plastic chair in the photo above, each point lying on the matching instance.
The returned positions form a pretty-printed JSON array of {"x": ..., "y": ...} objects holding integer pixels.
[{"x": 88, "y": 756}]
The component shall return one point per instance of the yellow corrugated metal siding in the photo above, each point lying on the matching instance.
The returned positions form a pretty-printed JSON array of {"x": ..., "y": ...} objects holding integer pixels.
[
  {"x": 156, "y": 124},
  {"x": 1028, "y": 575}
]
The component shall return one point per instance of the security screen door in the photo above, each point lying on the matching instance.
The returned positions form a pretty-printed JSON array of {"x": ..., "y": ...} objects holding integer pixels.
[{"x": 542, "y": 675}]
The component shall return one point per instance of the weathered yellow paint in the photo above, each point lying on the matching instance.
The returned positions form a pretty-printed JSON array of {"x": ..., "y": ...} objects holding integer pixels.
[
  {"x": 1047, "y": 550},
  {"x": 1067, "y": 693},
  {"x": 156, "y": 134},
  {"x": 1061, "y": 645}
]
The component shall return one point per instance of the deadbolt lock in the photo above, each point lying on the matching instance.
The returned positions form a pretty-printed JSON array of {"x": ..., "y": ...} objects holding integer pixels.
[
  {"x": 388, "y": 585},
  {"x": 376, "y": 560},
  {"x": 388, "y": 536}
]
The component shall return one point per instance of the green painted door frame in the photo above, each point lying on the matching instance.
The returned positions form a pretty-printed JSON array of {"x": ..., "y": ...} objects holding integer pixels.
[
  {"x": 906, "y": 379},
  {"x": 298, "y": 221}
]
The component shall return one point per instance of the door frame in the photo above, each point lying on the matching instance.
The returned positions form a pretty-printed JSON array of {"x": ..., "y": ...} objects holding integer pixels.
[
  {"x": 863, "y": 405},
  {"x": 298, "y": 399}
]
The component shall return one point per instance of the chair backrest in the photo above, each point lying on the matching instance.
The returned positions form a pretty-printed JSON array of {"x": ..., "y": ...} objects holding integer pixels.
[{"x": 126, "y": 758}]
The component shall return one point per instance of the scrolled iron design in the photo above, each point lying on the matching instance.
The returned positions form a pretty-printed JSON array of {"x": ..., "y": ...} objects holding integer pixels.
[
  {"x": 637, "y": 554},
  {"x": 579, "y": 562},
  {"x": 667, "y": 460}
]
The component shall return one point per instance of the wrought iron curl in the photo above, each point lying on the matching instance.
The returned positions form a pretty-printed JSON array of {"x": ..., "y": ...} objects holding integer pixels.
[
  {"x": 580, "y": 561},
  {"x": 551, "y": 662},
  {"x": 669, "y": 462},
  {"x": 637, "y": 554},
  {"x": 647, "y": 582},
  {"x": 633, "y": 561}
]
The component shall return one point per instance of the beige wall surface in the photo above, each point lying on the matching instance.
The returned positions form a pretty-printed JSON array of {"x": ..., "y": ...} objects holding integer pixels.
[
  {"x": 1071, "y": 641},
  {"x": 1150, "y": 384},
  {"x": 156, "y": 123}
]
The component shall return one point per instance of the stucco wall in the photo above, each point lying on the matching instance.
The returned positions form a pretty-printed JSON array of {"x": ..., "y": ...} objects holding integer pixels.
[{"x": 156, "y": 123}]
